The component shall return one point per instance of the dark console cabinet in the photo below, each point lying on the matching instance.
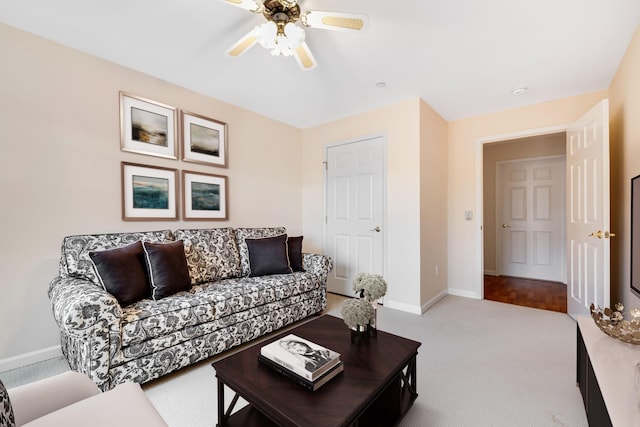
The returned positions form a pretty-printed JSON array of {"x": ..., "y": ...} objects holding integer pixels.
[
  {"x": 597, "y": 413},
  {"x": 605, "y": 369}
]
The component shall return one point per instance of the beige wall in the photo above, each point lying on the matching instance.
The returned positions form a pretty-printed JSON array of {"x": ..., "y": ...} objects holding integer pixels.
[
  {"x": 416, "y": 150},
  {"x": 400, "y": 125},
  {"x": 520, "y": 148},
  {"x": 60, "y": 170},
  {"x": 464, "y": 183},
  {"x": 433, "y": 205},
  {"x": 624, "y": 115}
]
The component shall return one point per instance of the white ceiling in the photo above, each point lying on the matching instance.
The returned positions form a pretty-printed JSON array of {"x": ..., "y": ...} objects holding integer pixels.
[{"x": 462, "y": 57}]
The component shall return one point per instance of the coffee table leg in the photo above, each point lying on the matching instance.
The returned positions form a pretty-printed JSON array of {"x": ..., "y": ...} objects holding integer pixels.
[
  {"x": 222, "y": 419},
  {"x": 223, "y": 415}
]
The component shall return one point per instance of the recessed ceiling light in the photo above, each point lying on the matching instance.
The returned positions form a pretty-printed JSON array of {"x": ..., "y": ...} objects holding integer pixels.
[
  {"x": 381, "y": 84},
  {"x": 518, "y": 91}
]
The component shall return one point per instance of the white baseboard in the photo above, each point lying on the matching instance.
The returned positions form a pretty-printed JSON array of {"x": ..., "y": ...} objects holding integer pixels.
[
  {"x": 433, "y": 301},
  {"x": 403, "y": 307},
  {"x": 490, "y": 273},
  {"x": 464, "y": 293},
  {"x": 30, "y": 358}
]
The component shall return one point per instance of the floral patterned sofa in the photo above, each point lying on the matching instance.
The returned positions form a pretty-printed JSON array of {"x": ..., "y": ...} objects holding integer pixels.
[{"x": 224, "y": 305}]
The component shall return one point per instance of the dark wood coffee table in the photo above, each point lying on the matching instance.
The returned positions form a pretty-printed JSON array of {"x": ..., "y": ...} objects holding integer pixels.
[{"x": 377, "y": 387}]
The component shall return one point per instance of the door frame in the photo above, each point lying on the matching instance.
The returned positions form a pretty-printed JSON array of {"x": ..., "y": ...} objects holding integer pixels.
[
  {"x": 498, "y": 191},
  {"x": 478, "y": 292},
  {"x": 325, "y": 193}
]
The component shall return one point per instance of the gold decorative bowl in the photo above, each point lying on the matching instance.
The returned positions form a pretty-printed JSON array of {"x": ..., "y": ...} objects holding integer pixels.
[{"x": 612, "y": 323}]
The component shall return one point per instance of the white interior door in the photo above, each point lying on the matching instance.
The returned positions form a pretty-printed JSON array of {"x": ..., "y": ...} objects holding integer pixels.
[
  {"x": 354, "y": 236},
  {"x": 531, "y": 218},
  {"x": 588, "y": 211}
]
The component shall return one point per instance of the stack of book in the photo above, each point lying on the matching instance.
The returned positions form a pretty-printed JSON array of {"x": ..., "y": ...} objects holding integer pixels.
[{"x": 303, "y": 361}]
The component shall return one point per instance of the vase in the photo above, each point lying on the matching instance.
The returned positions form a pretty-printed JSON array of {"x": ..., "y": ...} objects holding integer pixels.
[
  {"x": 360, "y": 334},
  {"x": 372, "y": 327}
]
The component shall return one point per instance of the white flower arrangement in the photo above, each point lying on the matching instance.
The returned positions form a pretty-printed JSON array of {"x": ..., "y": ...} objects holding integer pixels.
[
  {"x": 369, "y": 286},
  {"x": 359, "y": 312}
]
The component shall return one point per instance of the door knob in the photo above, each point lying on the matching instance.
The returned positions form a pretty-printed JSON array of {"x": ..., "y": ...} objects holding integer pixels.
[
  {"x": 506, "y": 226},
  {"x": 377, "y": 229},
  {"x": 602, "y": 234}
]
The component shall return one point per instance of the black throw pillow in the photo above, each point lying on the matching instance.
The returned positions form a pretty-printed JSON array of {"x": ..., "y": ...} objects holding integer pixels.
[
  {"x": 168, "y": 270},
  {"x": 268, "y": 256},
  {"x": 294, "y": 246},
  {"x": 122, "y": 272}
]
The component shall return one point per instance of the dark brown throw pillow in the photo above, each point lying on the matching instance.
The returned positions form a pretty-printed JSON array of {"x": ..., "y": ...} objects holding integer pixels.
[
  {"x": 168, "y": 270},
  {"x": 294, "y": 246},
  {"x": 122, "y": 272},
  {"x": 268, "y": 256}
]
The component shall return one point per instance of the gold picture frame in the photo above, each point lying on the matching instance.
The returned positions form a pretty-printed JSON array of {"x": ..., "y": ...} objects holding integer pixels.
[
  {"x": 204, "y": 196},
  {"x": 149, "y": 193},
  {"x": 148, "y": 127},
  {"x": 204, "y": 140}
]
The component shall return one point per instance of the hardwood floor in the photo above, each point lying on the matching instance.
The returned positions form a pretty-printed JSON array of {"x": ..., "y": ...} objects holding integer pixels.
[{"x": 527, "y": 292}]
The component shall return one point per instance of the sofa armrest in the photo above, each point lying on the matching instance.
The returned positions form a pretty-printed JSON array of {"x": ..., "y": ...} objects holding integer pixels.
[
  {"x": 317, "y": 264},
  {"x": 34, "y": 400},
  {"x": 79, "y": 306}
]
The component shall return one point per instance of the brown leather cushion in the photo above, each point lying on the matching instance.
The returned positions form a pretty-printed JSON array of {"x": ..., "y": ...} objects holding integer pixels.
[
  {"x": 122, "y": 272},
  {"x": 168, "y": 269},
  {"x": 294, "y": 247},
  {"x": 268, "y": 256}
]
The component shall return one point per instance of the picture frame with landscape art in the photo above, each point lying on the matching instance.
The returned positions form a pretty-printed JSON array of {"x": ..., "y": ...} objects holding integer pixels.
[
  {"x": 204, "y": 140},
  {"x": 204, "y": 196},
  {"x": 148, "y": 127},
  {"x": 149, "y": 192}
]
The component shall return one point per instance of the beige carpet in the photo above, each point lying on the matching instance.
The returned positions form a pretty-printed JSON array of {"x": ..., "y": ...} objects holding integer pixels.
[{"x": 481, "y": 363}]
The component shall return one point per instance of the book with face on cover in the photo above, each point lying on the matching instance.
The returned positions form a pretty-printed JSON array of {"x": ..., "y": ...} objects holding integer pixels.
[{"x": 305, "y": 358}]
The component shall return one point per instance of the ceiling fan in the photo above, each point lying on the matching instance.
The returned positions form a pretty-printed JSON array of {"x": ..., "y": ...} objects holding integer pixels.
[{"x": 282, "y": 36}]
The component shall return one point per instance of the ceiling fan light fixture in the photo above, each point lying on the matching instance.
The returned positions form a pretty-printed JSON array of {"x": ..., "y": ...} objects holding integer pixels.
[
  {"x": 281, "y": 40},
  {"x": 282, "y": 36}
]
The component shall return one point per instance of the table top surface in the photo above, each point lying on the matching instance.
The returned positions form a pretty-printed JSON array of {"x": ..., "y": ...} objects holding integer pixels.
[{"x": 368, "y": 368}]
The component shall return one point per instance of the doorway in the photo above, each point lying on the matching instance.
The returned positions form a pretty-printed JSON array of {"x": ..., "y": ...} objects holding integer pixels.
[
  {"x": 523, "y": 231},
  {"x": 355, "y": 201}
]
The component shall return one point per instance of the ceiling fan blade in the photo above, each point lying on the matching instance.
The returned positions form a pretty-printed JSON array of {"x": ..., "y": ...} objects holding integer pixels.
[
  {"x": 244, "y": 44},
  {"x": 256, "y": 6},
  {"x": 304, "y": 57},
  {"x": 334, "y": 20}
]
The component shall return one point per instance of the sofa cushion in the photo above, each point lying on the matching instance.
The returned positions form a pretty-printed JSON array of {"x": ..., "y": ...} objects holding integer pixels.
[
  {"x": 7, "y": 418},
  {"x": 75, "y": 249},
  {"x": 211, "y": 254},
  {"x": 268, "y": 256},
  {"x": 122, "y": 272},
  {"x": 253, "y": 233},
  {"x": 185, "y": 313},
  {"x": 294, "y": 248},
  {"x": 167, "y": 266}
]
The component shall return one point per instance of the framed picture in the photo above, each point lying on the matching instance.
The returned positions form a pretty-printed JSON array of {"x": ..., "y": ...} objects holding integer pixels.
[
  {"x": 148, "y": 193},
  {"x": 204, "y": 140},
  {"x": 205, "y": 196},
  {"x": 147, "y": 127}
]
